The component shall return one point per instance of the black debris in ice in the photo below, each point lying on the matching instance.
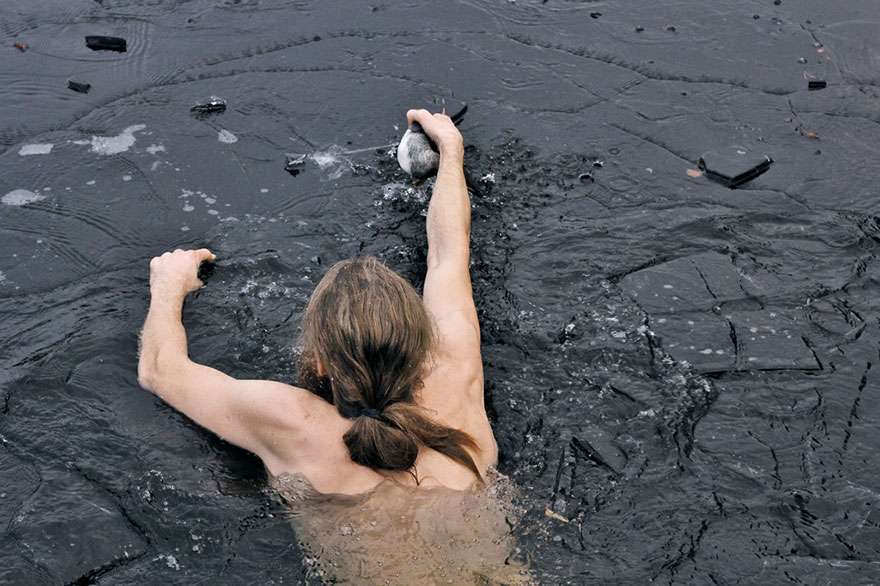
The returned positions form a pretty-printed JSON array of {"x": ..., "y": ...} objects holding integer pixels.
[
  {"x": 734, "y": 165},
  {"x": 100, "y": 43}
]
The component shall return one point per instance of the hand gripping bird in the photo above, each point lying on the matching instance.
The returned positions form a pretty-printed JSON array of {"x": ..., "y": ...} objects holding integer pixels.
[{"x": 418, "y": 156}]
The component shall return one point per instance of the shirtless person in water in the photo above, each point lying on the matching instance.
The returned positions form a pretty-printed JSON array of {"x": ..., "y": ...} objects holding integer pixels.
[{"x": 394, "y": 381}]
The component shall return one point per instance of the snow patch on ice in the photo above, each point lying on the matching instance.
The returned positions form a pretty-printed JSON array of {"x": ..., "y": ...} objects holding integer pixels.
[
  {"x": 226, "y": 136},
  {"x": 36, "y": 149},
  {"x": 20, "y": 197},
  {"x": 113, "y": 145}
]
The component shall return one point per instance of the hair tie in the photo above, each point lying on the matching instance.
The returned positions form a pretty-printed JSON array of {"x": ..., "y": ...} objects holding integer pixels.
[{"x": 371, "y": 413}]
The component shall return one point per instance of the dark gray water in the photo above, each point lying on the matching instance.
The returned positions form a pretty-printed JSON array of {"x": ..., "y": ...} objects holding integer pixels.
[{"x": 682, "y": 377}]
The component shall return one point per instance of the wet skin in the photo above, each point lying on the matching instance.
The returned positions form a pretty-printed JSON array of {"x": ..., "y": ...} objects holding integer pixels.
[{"x": 296, "y": 432}]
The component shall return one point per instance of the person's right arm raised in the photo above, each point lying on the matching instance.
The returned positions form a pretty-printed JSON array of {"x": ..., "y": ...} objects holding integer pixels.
[{"x": 456, "y": 385}]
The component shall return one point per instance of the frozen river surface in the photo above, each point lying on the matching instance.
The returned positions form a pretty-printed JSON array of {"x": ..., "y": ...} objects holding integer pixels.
[{"x": 682, "y": 377}]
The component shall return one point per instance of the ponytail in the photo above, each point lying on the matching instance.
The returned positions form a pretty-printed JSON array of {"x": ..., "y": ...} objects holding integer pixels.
[
  {"x": 391, "y": 440},
  {"x": 368, "y": 329}
]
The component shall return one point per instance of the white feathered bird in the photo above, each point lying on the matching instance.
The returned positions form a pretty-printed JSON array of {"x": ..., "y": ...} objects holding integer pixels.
[{"x": 417, "y": 154}]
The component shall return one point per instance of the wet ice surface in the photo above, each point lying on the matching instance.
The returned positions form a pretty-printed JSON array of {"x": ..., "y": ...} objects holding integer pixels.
[{"x": 682, "y": 377}]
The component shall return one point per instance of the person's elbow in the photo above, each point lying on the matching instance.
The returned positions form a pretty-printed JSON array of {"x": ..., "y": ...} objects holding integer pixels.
[
  {"x": 146, "y": 373},
  {"x": 154, "y": 368}
]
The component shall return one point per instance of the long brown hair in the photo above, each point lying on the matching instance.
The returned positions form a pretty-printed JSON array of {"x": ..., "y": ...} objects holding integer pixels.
[{"x": 366, "y": 342}]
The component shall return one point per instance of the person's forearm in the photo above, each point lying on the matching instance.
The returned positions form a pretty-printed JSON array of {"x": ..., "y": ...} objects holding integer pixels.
[
  {"x": 163, "y": 339},
  {"x": 449, "y": 213}
]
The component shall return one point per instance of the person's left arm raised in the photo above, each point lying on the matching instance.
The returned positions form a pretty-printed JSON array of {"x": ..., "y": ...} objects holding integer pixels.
[{"x": 253, "y": 414}]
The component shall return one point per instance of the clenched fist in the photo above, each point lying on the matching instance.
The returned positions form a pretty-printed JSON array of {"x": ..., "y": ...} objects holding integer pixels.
[
  {"x": 176, "y": 273},
  {"x": 442, "y": 131}
]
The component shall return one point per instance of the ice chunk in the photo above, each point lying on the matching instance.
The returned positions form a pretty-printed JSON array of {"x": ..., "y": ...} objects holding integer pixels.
[{"x": 35, "y": 149}]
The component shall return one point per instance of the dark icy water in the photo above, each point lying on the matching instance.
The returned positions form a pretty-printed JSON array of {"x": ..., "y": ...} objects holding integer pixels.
[{"x": 682, "y": 377}]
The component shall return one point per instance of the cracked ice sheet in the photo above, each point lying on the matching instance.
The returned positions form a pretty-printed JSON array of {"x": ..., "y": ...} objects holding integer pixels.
[
  {"x": 701, "y": 339},
  {"x": 769, "y": 340},
  {"x": 685, "y": 284},
  {"x": 685, "y": 300},
  {"x": 72, "y": 528},
  {"x": 765, "y": 340}
]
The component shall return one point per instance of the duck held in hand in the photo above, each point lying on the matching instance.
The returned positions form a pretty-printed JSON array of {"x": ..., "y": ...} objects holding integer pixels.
[{"x": 417, "y": 154}]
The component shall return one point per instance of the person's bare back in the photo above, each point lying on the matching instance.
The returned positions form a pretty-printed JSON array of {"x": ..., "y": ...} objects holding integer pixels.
[{"x": 390, "y": 401}]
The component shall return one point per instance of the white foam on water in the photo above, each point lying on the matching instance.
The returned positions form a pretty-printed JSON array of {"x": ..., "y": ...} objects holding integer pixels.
[
  {"x": 327, "y": 158},
  {"x": 334, "y": 159},
  {"x": 226, "y": 136},
  {"x": 36, "y": 149},
  {"x": 403, "y": 192},
  {"x": 155, "y": 148},
  {"x": 331, "y": 161},
  {"x": 2, "y": 277},
  {"x": 113, "y": 145},
  {"x": 324, "y": 159},
  {"x": 170, "y": 561},
  {"x": 390, "y": 190},
  {"x": 20, "y": 197}
]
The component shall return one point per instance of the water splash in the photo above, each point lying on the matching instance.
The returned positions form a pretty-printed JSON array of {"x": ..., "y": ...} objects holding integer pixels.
[{"x": 334, "y": 159}]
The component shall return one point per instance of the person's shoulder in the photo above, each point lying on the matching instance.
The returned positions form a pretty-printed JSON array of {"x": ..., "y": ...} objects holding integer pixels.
[
  {"x": 285, "y": 415},
  {"x": 309, "y": 443},
  {"x": 295, "y": 424},
  {"x": 290, "y": 404},
  {"x": 452, "y": 385}
]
